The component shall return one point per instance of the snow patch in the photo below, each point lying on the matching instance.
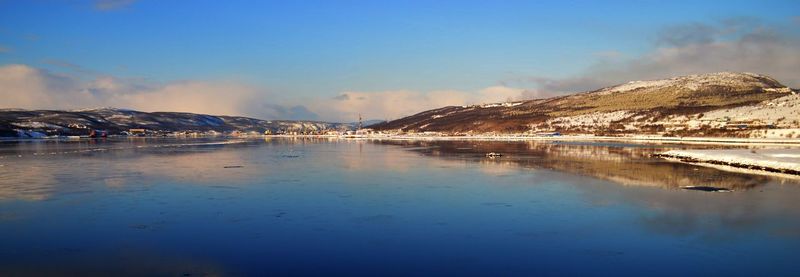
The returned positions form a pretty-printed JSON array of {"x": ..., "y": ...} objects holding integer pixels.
[{"x": 36, "y": 125}]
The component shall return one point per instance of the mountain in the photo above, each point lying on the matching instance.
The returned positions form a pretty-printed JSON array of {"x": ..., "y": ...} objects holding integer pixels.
[
  {"x": 674, "y": 106},
  {"x": 368, "y": 123},
  {"x": 26, "y": 123}
]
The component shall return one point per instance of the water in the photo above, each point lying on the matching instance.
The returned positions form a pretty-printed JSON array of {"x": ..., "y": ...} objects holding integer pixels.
[{"x": 325, "y": 207}]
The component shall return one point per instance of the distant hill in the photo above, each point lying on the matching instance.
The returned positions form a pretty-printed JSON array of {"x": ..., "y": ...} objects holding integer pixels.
[
  {"x": 368, "y": 123},
  {"x": 667, "y": 106},
  {"x": 15, "y": 123}
]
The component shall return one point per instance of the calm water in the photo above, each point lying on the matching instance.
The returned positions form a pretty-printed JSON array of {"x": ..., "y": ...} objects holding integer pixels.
[{"x": 273, "y": 207}]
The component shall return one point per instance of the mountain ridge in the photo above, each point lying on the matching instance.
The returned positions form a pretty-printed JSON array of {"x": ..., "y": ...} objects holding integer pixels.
[
  {"x": 38, "y": 123},
  {"x": 650, "y": 107}
]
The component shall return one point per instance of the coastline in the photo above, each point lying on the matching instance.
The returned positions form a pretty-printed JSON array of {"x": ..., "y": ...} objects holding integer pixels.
[
  {"x": 635, "y": 138},
  {"x": 643, "y": 139}
]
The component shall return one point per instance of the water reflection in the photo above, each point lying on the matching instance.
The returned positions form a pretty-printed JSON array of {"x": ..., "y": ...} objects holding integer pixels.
[
  {"x": 276, "y": 206},
  {"x": 137, "y": 163},
  {"x": 759, "y": 202},
  {"x": 37, "y": 171},
  {"x": 621, "y": 163},
  {"x": 706, "y": 216}
]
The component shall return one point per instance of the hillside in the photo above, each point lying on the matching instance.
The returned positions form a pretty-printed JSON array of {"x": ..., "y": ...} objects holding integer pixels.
[
  {"x": 675, "y": 105},
  {"x": 25, "y": 123}
]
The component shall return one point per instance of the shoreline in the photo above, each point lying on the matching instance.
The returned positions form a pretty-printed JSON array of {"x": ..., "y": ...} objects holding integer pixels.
[{"x": 642, "y": 138}]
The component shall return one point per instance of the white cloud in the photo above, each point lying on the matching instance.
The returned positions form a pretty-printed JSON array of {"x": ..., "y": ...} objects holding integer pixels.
[
  {"x": 381, "y": 105},
  {"x": 739, "y": 44},
  {"x": 500, "y": 94},
  {"x": 22, "y": 86},
  {"x": 218, "y": 98},
  {"x": 398, "y": 103}
]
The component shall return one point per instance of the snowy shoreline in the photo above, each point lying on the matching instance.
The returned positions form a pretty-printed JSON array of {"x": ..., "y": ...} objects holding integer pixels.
[
  {"x": 634, "y": 138},
  {"x": 676, "y": 140},
  {"x": 783, "y": 161}
]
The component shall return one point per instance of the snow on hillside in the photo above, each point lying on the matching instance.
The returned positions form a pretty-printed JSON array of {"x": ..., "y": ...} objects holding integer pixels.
[
  {"x": 35, "y": 124},
  {"x": 118, "y": 121},
  {"x": 504, "y": 104},
  {"x": 588, "y": 121},
  {"x": 783, "y": 112},
  {"x": 693, "y": 82}
]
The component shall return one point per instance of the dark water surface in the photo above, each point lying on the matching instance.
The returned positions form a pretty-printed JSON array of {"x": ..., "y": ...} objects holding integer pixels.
[{"x": 282, "y": 206}]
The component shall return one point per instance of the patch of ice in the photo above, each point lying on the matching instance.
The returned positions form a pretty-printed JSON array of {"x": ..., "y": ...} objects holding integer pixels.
[{"x": 779, "y": 159}]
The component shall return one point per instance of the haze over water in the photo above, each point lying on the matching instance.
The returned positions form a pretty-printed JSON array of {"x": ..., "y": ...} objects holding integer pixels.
[{"x": 280, "y": 206}]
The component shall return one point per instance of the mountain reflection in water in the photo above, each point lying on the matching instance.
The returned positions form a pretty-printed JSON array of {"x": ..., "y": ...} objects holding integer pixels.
[{"x": 622, "y": 163}]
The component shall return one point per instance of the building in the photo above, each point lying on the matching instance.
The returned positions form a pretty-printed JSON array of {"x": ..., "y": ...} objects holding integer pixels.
[{"x": 137, "y": 132}]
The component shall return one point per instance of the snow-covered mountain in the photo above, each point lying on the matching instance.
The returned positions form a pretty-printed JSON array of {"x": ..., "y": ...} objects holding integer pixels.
[
  {"x": 726, "y": 103},
  {"x": 15, "y": 122}
]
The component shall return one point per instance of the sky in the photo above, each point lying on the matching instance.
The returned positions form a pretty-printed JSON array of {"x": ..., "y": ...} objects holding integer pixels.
[{"x": 333, "y": 60}]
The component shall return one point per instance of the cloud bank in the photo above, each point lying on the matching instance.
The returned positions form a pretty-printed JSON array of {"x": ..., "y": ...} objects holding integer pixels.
[
  {"x": 393, "y": 104},
  {"x": 23, "y": 86},
  {"x": 738, "y": 44}
]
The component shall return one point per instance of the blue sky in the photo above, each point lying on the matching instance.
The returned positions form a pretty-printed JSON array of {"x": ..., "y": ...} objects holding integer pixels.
[{"x": 301, "y": 51}]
